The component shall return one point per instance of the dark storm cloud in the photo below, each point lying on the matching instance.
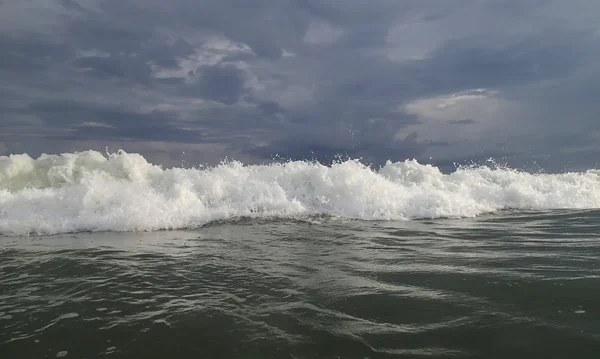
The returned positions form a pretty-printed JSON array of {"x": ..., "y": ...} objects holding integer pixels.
[
  {"x": 94, "y": 122},
  {"x": 219, "y": 83},
  {"x": 370, "y": 151},
  {"x": 71, "y": 4},
  {"x": 119, "y": 67},
  {"x": 297, "y": 148},
  {"x": 304, "y": 78},
  {"x": 29, "y": 53},
  {"x": 270, "y": 108},
  {"x": 467, "y": 121},
  {"x": 459, "y": 65},
  {"x": 140, "y": 43}
]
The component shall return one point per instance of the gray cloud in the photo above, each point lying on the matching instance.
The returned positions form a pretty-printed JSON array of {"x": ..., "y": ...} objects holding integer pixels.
[
  {"x": 304, "y": 78},
  {"x": 117, "y": 67},
  {"x": 29, "y": 53},
  {"x": 219, "y": 83},
  {"x": 467, "y": 121},
  {"x": 89, "y": 121}
]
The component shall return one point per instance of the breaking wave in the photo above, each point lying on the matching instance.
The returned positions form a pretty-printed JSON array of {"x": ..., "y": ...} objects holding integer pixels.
[{"x": 87, "y": 191}]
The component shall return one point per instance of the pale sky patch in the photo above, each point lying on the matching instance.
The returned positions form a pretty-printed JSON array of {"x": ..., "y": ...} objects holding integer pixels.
[
  {"x": 320, "y": 32},
  {"x": 211, "y": 53},
  {"x": 80, "y": 53},
  {"x": 473, "y": 103},
  {"x": 95, "y": 124}
]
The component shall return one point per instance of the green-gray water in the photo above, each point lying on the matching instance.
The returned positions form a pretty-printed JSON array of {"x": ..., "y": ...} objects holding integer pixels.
[{"x": 506, "y": 285}]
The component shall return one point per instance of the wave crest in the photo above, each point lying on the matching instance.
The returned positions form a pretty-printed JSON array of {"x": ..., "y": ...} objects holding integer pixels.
[{"x": 87, "y": 191}]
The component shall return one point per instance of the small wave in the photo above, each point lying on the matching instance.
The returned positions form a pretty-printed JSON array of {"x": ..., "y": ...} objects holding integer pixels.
[{"x": 88, "y": 191}]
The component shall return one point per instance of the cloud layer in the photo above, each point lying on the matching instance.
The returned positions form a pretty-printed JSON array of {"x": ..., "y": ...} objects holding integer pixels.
[{"x": 442, "y": 82}]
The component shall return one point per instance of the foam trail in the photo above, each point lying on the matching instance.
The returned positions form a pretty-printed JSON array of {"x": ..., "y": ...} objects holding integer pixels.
[{"x": 87, "y": 191}]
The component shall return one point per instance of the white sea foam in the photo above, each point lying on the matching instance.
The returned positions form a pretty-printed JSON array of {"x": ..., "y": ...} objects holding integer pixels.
[{"x": 88, "y": 191}]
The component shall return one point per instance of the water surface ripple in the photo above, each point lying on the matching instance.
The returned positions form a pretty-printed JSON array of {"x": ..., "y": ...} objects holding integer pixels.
[{"x": 512, "y": 284}]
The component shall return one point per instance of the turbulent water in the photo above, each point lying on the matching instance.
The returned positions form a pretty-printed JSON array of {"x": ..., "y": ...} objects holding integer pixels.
[
  {"x": 90, "y": 192},
  {"x": 295, "y": 260}
]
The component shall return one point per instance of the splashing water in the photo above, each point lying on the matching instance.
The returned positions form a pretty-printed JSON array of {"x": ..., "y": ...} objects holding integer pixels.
[{"x": 87, "y": 191}]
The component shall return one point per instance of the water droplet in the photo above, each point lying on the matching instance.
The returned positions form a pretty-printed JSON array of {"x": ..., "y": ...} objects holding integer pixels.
[{"x": 62, "y": 354}]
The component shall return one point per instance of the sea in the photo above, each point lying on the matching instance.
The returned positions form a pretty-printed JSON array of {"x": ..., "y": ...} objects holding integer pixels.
[{"x": 110, "y": 256}]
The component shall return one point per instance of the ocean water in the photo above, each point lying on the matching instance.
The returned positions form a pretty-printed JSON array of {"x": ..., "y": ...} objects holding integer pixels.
[{"x": 110, "y": 256}]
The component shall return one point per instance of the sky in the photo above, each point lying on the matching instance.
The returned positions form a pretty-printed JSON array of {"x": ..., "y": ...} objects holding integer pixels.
[{"x": 199, "y": 81}]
